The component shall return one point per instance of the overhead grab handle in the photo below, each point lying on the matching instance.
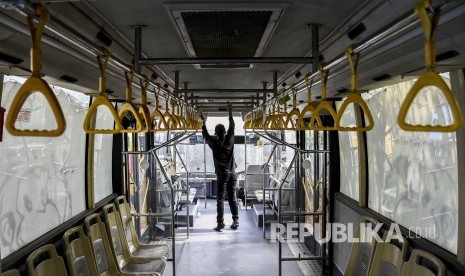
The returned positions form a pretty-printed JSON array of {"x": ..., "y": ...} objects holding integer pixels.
[
  {"x": 354, "y": 97},
  {"x": 309, "y": 108},
  {"x": 128, "y": 106},
  {"x": 35, "y": 84},
  {"x": 157, "y": 115},
  {"x": 173, "y": 121},
  {"x": 144, "y": 112},
  {"x": 281, "y": 117},
  {"x": 315, "y": 121},
  {"x": 429, "y": 78},
  {"x": 270, "y": 119},
  {"x": 182, "y": 120},
  {"x": 248, "y": 121},
  {"x": 293, "y": 116},
  {"x": 101, "y": 100},
  {"x": 170, "y": 122}
]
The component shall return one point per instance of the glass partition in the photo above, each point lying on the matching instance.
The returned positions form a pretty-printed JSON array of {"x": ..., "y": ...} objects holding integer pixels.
[
  {"x": 348, "y": 152},
  {"x": 41, "y": 178},
  {"x": 413, "y": 175}
]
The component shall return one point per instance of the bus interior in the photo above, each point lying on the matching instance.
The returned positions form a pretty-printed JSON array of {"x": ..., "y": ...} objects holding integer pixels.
[{"x": 348, "y": 136}]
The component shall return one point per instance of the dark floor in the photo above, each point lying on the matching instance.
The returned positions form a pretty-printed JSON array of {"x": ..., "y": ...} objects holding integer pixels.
[{"x": 241, "y": 252}]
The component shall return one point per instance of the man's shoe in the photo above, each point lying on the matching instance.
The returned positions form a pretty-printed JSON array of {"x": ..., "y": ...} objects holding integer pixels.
[
  {"x": 235, "y": 224},
  {"x": 219, "y": 226}
]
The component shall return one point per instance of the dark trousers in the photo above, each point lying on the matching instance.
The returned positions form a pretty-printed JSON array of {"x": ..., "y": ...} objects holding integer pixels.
[{"x": 229, "y": 181}]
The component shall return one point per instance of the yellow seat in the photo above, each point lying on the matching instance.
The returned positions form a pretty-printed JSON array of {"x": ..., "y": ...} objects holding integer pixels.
[
  {"x": 11, "y": 272},
  {"x": 415, "y": 267},
  {"x": 126, "y": 261},
  {"x": 388, "y": 258},
  {"x": 106, "y": 264},
  {"x": 361, "y": 252},
  {"x": 104, "y": 258},
  {"x": 79, "y": 253},
  {"x": 159, "y": 249},
  {"x": 44, "y": 261}
]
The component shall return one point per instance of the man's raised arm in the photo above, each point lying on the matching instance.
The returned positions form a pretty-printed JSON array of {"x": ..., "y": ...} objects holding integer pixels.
[
  {"x": 231, "y": 123},
  {"x": 205, "y": 133}
]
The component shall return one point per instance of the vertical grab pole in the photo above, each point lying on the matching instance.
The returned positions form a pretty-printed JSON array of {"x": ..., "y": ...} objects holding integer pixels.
[
  {"x": 245, "y": 161},
  {"x": 280, "y": 209},
  {"x": 188, "y": 188},
  {"x": 205, "y": 171},
  {"x": 264, "y": 175},
  {"x": 173, "y": 236},
  {"x": 324, "y": 202}
]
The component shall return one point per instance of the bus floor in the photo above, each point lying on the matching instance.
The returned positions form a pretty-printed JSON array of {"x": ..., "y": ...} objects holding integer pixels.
[{"x": 231, "y": 252}]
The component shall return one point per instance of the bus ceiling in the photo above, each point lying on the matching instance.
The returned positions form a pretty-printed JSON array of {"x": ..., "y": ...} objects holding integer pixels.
[{"x": 190, "y": 50}]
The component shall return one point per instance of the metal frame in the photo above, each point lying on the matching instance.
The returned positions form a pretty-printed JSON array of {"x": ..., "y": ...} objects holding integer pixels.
[
  {"x": 371, "y": 43},
  {"x": 86, "y": 47},
  {"x": 263, "y": 169},
  {"x": 323, "y": 256},
  {"x": 188, "y": 188},
  {"x": 170, "y": 142},
  {"x": 226, "y": 60},
  {"x": 267, "y": 189}
]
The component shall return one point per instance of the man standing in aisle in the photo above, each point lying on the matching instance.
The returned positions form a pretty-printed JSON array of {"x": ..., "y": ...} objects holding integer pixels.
[{"x": 223, "y": 157}]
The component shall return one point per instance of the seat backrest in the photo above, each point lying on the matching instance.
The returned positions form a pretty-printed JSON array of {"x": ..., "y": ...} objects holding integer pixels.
[
  {"x": 116, "y": 235},
  {"x": 388, "y": 258},
  {"x": 128, "y": 224},
  {"x": 79, "y": 253},
  {"x": 44, "y": 261},
  {"x": 255, "y": 182},
  {"x": 416, "y": 265},
  {"x": 362, "y": 252},
  {"x": 287, "y": 194},
  {"x": 11, "y": 272},
  {"x": 104, "y": 258}
]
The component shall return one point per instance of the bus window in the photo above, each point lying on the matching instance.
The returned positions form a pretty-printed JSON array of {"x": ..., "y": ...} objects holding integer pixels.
[
  {"x": 413, "y": 175},
  {"x": 41, "y": 178}
]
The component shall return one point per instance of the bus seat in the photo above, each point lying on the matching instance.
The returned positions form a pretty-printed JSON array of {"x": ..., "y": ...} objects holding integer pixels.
[
  {"x": 125, "y": 260},
  {"x": 361, "y": 252},
  {"x": 152, "y": 249},
  {"x": 260, "y": 197},
  {"x": 388, "y": 258},
  {"x": 11, "y": 272},
  {"x": 79, "y": 254},
  {"x": 183, "y": 199},
  {"x": 254, "y": 180},
  {"x": 106, "y": 262},
  {"x": 288, "y": 186},
  {"x": 44, "y": 261},
  {"x": 415, "y": 266}
]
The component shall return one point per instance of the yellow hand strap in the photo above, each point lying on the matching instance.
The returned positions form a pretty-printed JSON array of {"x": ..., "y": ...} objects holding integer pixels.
[
  {"x": 101, "y": 100},
  {"x": 182, "y": 120},
  {"x": 170, "y": 123},
  {"x": 429, "y": 24},
  {"x": 281, "y": 118},
  {"x": 157, "y": 115},
  {"x": 354, "y": 97},
  {"x": 35, "y": 84},
  {"x": 128, "y": 106},
  {"x": 315, "y": 121},
  {"x": 429, "y": 78},
  {"x": 271, "y": 117},
  {"x": 144, "y": 112},
  {"x": 174, "y": 117},
  {"x": 248, "y": 120},
  {"x": 309, "y": 108},
  {"x": 295, "y": 112}
]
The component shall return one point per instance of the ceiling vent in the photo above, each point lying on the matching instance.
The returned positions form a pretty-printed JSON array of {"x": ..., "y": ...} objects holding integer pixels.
[{"x": 230, "y": 30}]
